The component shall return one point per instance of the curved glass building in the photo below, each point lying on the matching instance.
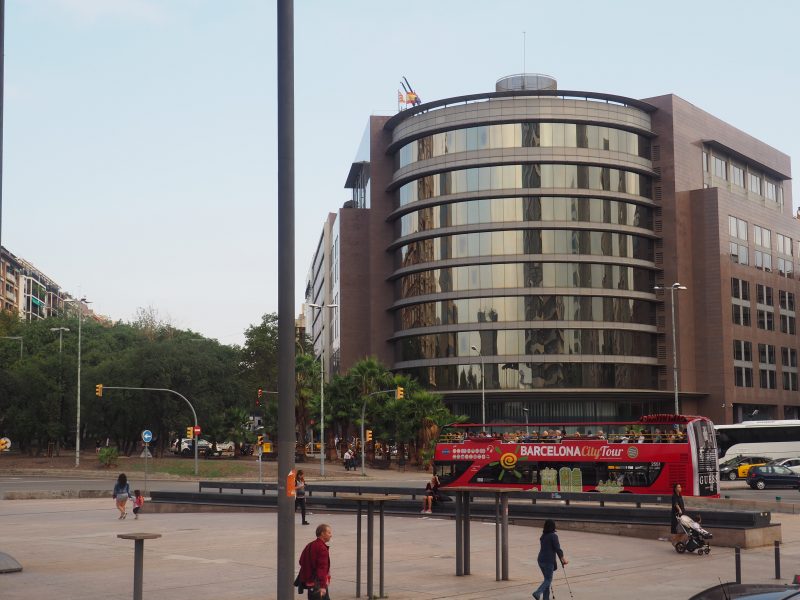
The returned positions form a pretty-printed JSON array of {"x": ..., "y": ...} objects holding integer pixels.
[
  {"x": 503, "y": 248},
  {"x": 523, "y": 242}
]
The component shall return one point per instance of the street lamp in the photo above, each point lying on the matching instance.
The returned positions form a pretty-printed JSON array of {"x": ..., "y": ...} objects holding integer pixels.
[
  {"x": 672, "y": 288},
  {"x": 60, "y": 331},
  {"x": 483, "y": 389},
  {"x": 15, "y": 337},
  {"x": 78, "y": 410},
  {"x": 527, "y": 427},
  {"x": 321, "y": 387}
]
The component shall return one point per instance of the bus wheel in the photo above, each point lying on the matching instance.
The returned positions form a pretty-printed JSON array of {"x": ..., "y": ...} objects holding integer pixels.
[
  {"x": 732, "y": 475},
  {"x": 680, "y": 547}
]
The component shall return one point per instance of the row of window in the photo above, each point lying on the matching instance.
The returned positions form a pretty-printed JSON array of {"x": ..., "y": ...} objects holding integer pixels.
[
  {"x": 743, "y": 366},
  {"x": 762, "y": 261},
  {"x": 737, "y": 228},
  {"x": 740, "y": 294},
  {"x": 528, "y": 175},
  {"x": 738, "y": 175},
  {"x": 503, "y": 309},
  {"x": 523, "y": 135},
  {"x": 526, "y": 208},
  {"x": 526, "y": 275},
  {"x": 528, "y": 241},
  {"x": 743, "y": 377},
  {"x": 529, "y": 342},
  {"x": 536, "y": 375}
]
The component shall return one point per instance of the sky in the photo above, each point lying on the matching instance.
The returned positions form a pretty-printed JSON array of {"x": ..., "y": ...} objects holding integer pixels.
[{"x": 140, "y": 142}]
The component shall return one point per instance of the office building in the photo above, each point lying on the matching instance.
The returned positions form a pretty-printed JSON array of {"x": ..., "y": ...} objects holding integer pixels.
[{"x": 513, "y": 241}]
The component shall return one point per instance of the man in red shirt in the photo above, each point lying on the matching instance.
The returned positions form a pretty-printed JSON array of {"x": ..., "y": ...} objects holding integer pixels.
[{"x": 315, "y": 565}]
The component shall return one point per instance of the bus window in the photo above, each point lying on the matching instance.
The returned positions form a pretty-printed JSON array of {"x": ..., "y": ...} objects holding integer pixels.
[{"x": 450, "y": 471}]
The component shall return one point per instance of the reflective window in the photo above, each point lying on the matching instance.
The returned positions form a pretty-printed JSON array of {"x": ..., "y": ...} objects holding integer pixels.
[
  {"x": 529, "y": 175},
  {"x": 515, "y": 342},
  {"x": 504, "y": 243},
  {"x": 525, "y": 308},
  {"x": 530, "y": 275},
  {"x": 528, "y": 208},
  {"x": 523, "y": 135},
  {"x": 536, "y": 375}
]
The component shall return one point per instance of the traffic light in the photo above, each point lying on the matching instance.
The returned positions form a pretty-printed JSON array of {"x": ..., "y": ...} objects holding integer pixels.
[
  {"x": 190, "y": 432},
  {"x": 260, "y": 392},
  {"x": 399, "y": 393},
  {"x": 260, "y": 439},
  {"x": 369, "y": 435},
  {"x": 98, "y": 390}
]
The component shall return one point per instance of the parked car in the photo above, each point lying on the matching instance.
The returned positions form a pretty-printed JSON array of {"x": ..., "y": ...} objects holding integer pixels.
[
  {"x": 791, "y": 463},
  {"x": 738, "y": 466},
  {"x": 765, "y": 476},
  {"x": 749, "y": 591},
  {"x": 186, "y": 449}
]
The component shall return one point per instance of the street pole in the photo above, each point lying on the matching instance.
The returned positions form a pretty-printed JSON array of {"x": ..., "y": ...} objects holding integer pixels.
[
  {"x": 60, "y": 331},
  {"x": 672, "y": 288},
  {"x": 287, "y": 425},
  {"x": 483, "y": 389},
  {"x": 194, "y": 414},
  {"x": 363, "y": 417},
  {"x": 527, "y": 427},
  {"x": 321, "y": 387},
  {"x": 80, "y": 302}
]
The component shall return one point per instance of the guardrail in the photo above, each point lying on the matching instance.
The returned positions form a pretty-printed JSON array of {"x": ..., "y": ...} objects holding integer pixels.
[{"x": 576, "y": 506}]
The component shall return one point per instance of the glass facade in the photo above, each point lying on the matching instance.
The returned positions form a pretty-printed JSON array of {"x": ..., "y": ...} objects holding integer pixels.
[
  {"x": 526, "y": 275},
  {"x": 527, "y": 208},
  {"x": 526, "y": 176},
  {"x": 529, "y": 241},
  {"x": 537, "y": 375},
  {"x": 509, "y": 309},
  {"x": 552, "y": 288},
  {"x": 516, "y": 342},
  {"x": 524, "y": 135}
]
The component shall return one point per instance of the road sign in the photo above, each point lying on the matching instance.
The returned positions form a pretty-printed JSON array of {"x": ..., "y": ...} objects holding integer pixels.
[
  {"x": 5, "y": 444},
  {"x": 147, "y": 436}
]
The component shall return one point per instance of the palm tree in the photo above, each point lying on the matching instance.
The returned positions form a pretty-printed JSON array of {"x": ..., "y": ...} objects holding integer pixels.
[{"x": 306, "y": 386}]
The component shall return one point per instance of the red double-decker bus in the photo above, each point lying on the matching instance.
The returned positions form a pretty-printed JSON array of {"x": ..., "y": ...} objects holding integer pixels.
[{"x": 647, "y": 456}]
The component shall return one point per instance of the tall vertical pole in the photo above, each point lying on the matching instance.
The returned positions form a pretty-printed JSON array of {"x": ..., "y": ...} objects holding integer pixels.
[
  {"x": 322, "y": 408},
  {"x": 483, "y": 394},
  {"x": 2, "y": 103},
  {"x": 78, "y": 403},
  {"x": 674, "y": 350},
  {"x": 286, "y": 333}
]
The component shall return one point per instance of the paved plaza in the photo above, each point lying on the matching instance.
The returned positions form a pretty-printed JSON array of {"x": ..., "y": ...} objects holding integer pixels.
[{"x": 69, "y": 550}]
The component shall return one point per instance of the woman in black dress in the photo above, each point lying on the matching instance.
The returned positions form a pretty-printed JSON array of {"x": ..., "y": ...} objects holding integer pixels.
[{"x": 677, "y": 510}]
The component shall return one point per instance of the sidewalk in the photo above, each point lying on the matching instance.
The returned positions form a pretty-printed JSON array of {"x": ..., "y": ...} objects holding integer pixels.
[{"x": 69, "y": 550}]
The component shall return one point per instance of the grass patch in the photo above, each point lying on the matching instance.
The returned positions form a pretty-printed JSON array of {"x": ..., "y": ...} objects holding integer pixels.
[{"x": 185, "y": 467}]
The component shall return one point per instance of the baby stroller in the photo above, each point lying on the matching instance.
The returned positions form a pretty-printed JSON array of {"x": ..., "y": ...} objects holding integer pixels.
[{"x": 696, "y": 537}]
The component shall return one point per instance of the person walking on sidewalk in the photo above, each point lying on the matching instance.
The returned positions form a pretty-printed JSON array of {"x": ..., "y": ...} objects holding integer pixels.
[
  {"x": 548, "y": 551},
  {"x": 138, "y": 502},
  {"x": 315, "y": 566},
  {"x": 122, "y": 492},
  {"x": 300, "y": 494}
]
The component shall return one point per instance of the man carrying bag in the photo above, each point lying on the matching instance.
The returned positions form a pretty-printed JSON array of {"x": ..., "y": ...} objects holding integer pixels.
[{"x": 315, "y": 566}]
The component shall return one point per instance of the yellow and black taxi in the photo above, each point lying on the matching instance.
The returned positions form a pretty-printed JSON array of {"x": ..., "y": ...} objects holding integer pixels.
[{"x": 738, "y": 466}]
